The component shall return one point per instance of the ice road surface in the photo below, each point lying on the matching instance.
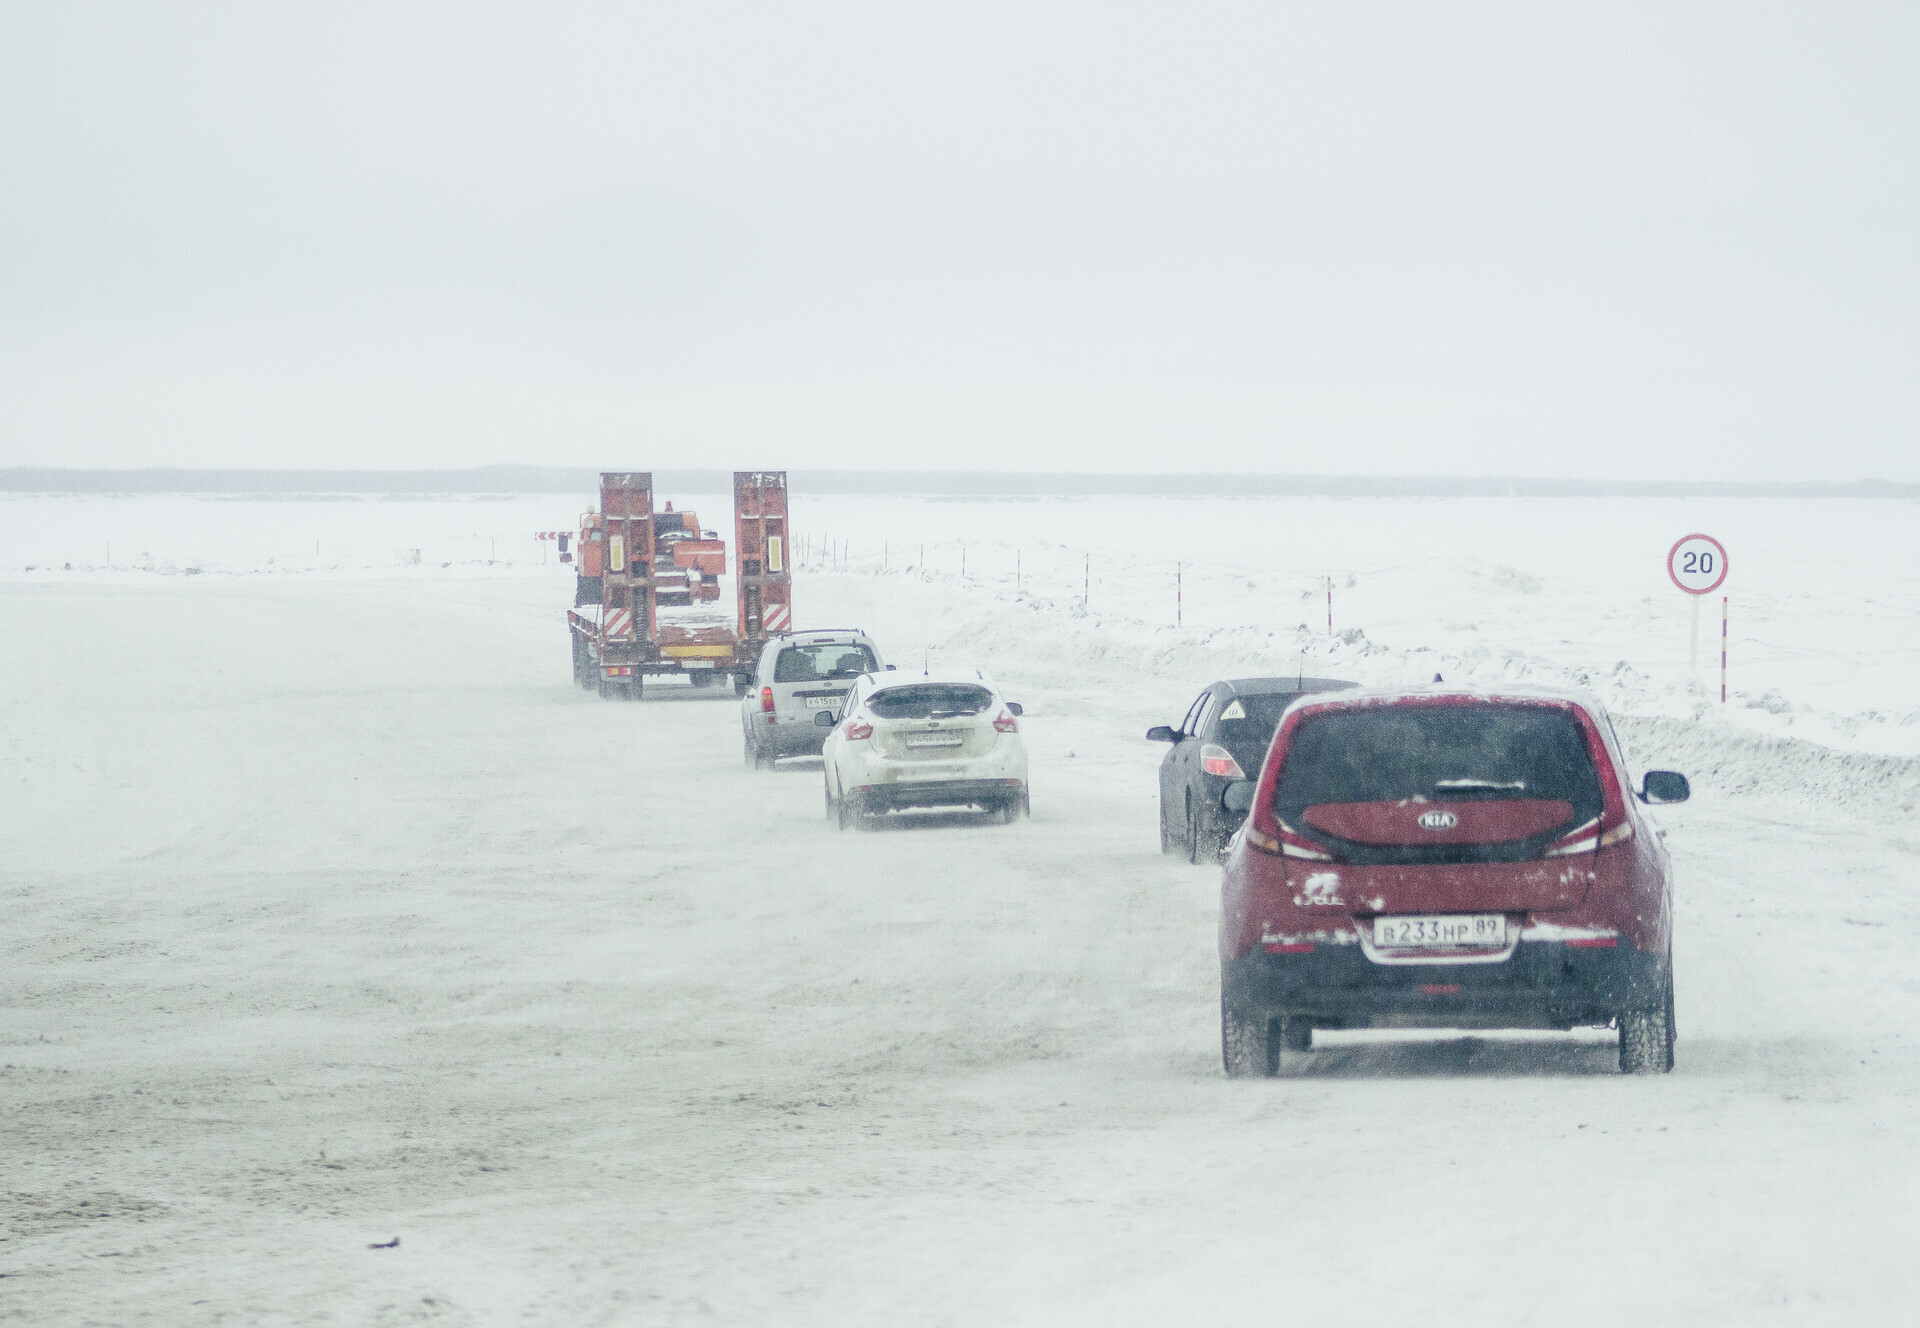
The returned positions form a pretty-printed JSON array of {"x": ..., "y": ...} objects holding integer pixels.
[{"x": 330, "y": 913}]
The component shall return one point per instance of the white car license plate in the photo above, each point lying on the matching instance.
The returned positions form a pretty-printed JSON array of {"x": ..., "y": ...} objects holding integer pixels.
[
  {"x": 1439, "y": 931},
  {"x": 822, "y": 702},
  {"x": 934, "y": 739}
]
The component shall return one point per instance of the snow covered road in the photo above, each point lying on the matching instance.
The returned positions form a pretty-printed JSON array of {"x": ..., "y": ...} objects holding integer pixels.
[{"x": 330, "y": 913}]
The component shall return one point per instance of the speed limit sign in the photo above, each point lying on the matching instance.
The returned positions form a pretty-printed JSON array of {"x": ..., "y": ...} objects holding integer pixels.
[{"x": 1697, "y": 564}]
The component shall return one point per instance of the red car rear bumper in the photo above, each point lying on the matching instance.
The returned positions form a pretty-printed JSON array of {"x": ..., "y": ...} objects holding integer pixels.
[{"x": 1544, "y": 984}]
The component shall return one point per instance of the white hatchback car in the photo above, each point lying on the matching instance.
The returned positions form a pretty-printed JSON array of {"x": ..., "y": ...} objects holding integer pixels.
[{"x": 939, "y": 739}]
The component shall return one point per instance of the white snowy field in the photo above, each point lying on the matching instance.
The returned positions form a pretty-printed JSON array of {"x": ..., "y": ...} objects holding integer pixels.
[{"x": 330, "y": 913}]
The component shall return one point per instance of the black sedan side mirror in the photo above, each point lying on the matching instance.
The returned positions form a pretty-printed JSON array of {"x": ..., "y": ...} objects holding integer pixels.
[
  {"x": 1015, "y": 709},
  {"x": 823, "y": 719},
  {"x": 1237, "y": 796},
  {"x": 1162, "y": 733},
  {"x": 892, "y": 667},
  {"x": 1665, "y": 786}
]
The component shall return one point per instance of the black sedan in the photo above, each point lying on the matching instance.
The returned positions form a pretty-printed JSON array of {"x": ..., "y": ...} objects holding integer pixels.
[{"x": 1223, "y": 738}]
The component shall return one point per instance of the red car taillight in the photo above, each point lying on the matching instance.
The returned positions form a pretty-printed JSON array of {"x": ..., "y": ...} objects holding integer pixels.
[
  {"x": 1005, "y": 723},
  {"x": 766, "y": 699},
  {"x": 858, "y": 729},
  {"x": 1290, "y": 843},
  {"x": 1217, "y": 760},
  {"x": 1589, "y": 837}
]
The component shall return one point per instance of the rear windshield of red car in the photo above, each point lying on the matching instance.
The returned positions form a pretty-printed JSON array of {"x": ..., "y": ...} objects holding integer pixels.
[
  {"x": 1466, "y": 753},
  {"x": 930, "y": 700}
]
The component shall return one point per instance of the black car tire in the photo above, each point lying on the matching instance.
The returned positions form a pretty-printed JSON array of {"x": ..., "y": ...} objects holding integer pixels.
[
  {"x": 826, "y": 791},
  {"x": 748, "y": 754},
  {"x": 1296, "y": 1035},
  {"x": 1196, "y": 836},
  {"x": 1249, "y": 1044},
  {"x": 1646, "y": 1037},
  {"x": 1166, "y": 840}
]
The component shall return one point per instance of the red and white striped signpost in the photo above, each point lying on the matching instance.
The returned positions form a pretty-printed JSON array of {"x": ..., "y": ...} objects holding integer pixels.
[{"x": 1697, "y": 565}]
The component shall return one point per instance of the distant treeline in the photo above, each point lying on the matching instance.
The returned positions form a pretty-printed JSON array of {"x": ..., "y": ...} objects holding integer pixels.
[{"x": 939, "y": 484}]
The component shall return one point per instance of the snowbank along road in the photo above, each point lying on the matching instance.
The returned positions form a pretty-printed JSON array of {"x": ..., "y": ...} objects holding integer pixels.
[{"x": 330, "y": 914}]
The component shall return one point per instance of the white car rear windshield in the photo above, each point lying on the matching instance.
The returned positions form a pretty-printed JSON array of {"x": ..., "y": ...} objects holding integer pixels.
[{"x": 930, "y": 700}]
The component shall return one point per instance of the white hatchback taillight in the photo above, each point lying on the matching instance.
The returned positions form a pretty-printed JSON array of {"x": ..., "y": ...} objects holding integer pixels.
[
  {"x": 858, "y": 729},
  {"x": 1005, "y": 723},
  {"x": 1217, "y": 760}
]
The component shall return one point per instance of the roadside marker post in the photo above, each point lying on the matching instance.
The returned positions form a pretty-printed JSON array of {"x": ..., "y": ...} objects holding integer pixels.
[
  {"x": 1329, "y": 606},
  {"x": 1179, "y": 598},
  {"x": 1723, "y": 650}
]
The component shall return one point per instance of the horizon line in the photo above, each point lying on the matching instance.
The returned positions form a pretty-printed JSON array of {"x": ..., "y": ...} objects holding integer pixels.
[{"x": 529, "y": 479}]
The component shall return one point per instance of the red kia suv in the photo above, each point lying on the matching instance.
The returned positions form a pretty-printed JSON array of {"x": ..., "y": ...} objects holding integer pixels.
[{"x": 1445, "y": 859}]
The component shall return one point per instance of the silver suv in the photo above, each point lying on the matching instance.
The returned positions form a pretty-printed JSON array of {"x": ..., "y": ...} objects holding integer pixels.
[{"x": 797, "y": 691}]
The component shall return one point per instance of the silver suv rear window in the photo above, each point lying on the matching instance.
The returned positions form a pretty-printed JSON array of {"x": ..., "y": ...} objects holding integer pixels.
[
  {"x": 816, "y": 663},
  {"x": 930, "y": 700}
]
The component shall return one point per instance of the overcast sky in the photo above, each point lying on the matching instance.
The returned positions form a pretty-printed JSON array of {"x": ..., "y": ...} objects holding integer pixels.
[{"x": 1545, "y": 239}]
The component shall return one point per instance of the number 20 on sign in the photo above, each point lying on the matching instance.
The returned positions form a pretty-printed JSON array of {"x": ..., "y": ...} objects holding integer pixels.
[{"x": 1697, "y": 564}]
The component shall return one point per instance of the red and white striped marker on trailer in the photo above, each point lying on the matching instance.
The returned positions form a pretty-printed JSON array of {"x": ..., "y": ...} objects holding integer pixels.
[
  {"x": 777, "y": 615},
  {"x": 619, "y": 623}
]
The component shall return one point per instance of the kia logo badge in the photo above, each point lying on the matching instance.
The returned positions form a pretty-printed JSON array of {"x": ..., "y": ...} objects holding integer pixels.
[{"x": 1438, "y": 820}]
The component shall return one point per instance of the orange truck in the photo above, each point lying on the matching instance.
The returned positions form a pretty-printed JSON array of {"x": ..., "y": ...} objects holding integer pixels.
[{"x": 648, "y": 580}]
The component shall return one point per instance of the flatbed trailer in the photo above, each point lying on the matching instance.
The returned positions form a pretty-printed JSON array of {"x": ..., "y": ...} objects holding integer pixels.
[{"x": 644, "y": 577}]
